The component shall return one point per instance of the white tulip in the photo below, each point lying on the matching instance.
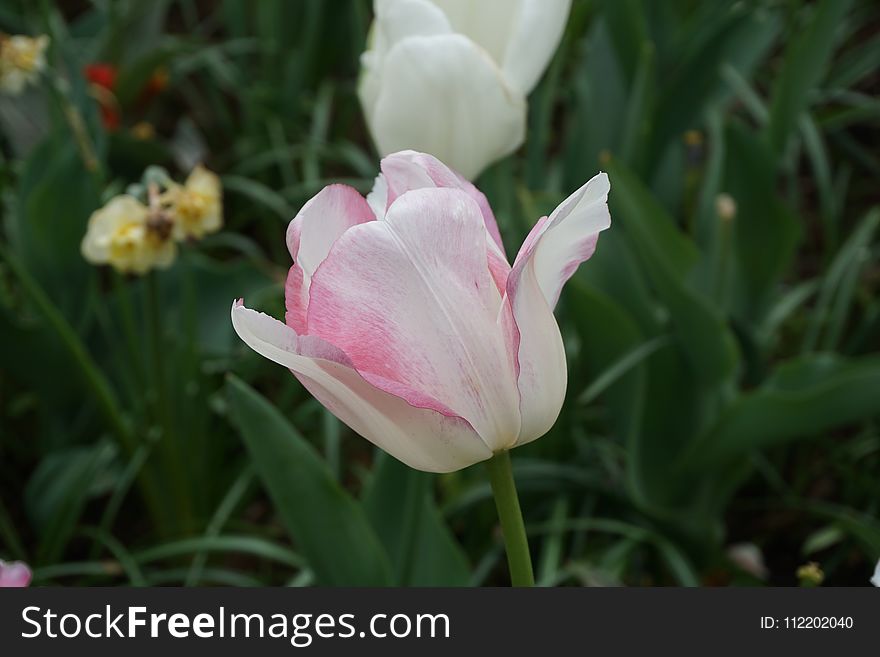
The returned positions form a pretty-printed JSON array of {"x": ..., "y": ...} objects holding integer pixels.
[{"x": 450, "y": 77}]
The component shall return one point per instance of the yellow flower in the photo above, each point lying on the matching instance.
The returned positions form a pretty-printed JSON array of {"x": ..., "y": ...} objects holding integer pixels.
[
  {"x": 128, "y": 235},
  {"x": 21, "y": 60},
  {"x": 196, "y": 206}
]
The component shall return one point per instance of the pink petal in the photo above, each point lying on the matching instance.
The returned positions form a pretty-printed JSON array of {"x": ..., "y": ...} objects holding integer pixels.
[
  {"x": 549, "y": 256},
  {"x": 420, "y": 435},
  {"x": 14, "y": 574},
  {"x": 411, "y": 300},
  {"x": 407, "y": 170},
  {"x": 296, "y": 299},
  {"x": 320, "y": 222}
]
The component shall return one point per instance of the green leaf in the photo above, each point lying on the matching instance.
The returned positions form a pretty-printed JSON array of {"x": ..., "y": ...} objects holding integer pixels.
[
  {"x": 805, "y": 397},
  {"x": 806, "y": 60},
  {"x": 329, "y": 527},
  {"x": 57, "y": 493},
  {"x": 627, "y": 26},
  {"x": 251, "y": 545},
  {"x": 847, "y": 260},
  {"x": 259, "y": 193},
  {"x": 637, "y": 402},
  {"x": 738, "y": 38},
  {"x": 765, "y": 233},
  {"x": 437, "y": 558},
  {"x": 56, "y": 195},
  {"x": 668, "y": 258}
]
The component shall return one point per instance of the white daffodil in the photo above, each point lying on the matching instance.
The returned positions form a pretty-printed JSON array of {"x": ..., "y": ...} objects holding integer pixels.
[
  {"x": 129, "y": 236},
  {"x": 21, "y": 60},
  {"x": 196, "y": 206}
]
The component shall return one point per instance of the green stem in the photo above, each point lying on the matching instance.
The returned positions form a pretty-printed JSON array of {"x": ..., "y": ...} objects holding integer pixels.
[
  {"x": 519, "y": 560},
  {"x": 417, "y": 487}
]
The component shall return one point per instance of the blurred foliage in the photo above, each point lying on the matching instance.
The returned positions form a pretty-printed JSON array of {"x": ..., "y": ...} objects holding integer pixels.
[{"x": 724, "y": 364}]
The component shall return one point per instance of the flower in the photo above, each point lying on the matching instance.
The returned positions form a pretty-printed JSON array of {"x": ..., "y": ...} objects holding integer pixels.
[
  {"x": 810, "y": 574},
  {"x": 14, "y": 574},
  {"x": 406, "y": 321},
  {"x": 450, "y": 77},
  {"x": 103, "y": 77},
  {"x": 102, "y": 80},
  {"x": 22, "y": 58},
  {"x": 196, "y": 205},
  {"x": 725, "y": 207},
  {"x": 875, "y": 580},
  {"x": 130, "y": 236},
  {"x": 749, "y": 557}
]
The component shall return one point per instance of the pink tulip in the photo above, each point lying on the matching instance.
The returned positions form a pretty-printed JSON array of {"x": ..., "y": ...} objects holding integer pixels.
[
  {"x": 405, "y": 319},
  {"x": 14, "y": 574}
]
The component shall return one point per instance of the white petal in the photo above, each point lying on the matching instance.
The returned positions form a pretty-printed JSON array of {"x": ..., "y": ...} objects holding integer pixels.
[
  {"x": 548, "y": 257},
  {"x": 394, "y": 20},
  {"x": 422, "y": 438},
  {"x": 377, "y": 199},
  {"x": 399, "y": 19},
  {"x": 533, "y": 40},
  {"x": 567, "y": 237},
  {"x": 444, "y": 96},
  {"x": 490, "y": 23}
]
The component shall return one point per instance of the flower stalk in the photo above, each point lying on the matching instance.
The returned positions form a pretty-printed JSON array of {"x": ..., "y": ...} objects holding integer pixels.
[{"x": 519, "y": 561}]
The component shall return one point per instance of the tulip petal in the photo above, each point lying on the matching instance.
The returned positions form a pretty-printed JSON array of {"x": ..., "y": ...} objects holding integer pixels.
[
  {"x": 410, "y": 299},
  {"x": 548, "y": 258},
  {"x": 394, "y": 20},
  {"x": 310, "y": 234},
  {"x": 421, "y": 437},
  {"x": 444, "y": 95},
  {"x": 533, "y": 40},
  {"x": 408, "y": 170},
  {"x": 399, "y": 19},
  {"x": 559, "y": 243},
  {"x": 490, "y": 23},
  {"x": 319, "y": 223}
]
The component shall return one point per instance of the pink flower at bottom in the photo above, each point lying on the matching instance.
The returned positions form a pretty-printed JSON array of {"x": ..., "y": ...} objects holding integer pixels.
[
  {"x": 406, "y": 321},
  {"x": 14, "y": 574}
]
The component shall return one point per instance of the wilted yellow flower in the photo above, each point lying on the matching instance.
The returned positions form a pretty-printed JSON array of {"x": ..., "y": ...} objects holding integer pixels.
[
  {"x": 21, "y": 60},
  {"x": 196, "y": 206},
  {"x": 810, "y": 574},
  {"x": 128, "y": 235}
]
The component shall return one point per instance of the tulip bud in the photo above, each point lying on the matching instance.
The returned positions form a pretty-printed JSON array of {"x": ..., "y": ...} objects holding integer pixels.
[
  {"x": 725, "y": 207},
  {"x": 14, "y": 574},
  {"x": 450, "y": 77}
]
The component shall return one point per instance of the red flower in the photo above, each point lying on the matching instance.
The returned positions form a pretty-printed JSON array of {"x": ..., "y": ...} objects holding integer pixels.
[{"x": 103, "y": 75}]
